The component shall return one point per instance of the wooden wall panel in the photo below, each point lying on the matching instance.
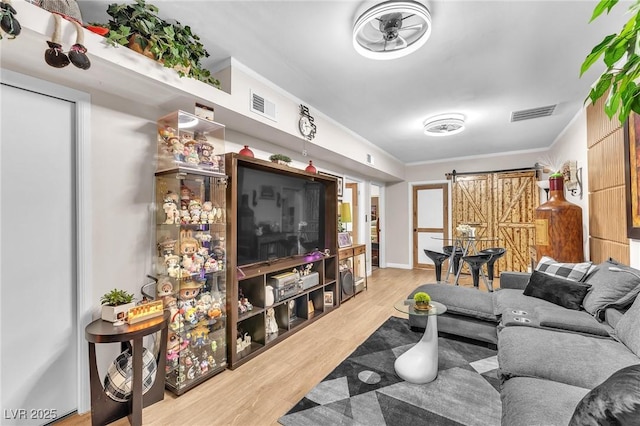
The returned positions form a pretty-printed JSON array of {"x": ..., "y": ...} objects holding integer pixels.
[
  {"x": 606, "y": 162},
  {"x": 608, "y": 226},
  {"x": 598, "y": 124},
  {"x": 602, "y": 250},
  {"x": 607, "y": 211}
]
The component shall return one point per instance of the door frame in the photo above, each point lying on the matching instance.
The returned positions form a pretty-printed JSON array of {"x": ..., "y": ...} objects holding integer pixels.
[
  {"x": 413, "y": 242},
  {"x": 82, "y": 130}
]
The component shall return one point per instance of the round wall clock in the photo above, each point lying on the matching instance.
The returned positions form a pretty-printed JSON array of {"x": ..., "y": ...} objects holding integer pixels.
[{"x": 305, "y": 123}]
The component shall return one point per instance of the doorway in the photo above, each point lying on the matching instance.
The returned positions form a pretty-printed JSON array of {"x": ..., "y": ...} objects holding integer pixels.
[
  {"x": 430, "y": 221},
  {"x": 44, "y": 223},
  {"x": 375, "y": 226}
]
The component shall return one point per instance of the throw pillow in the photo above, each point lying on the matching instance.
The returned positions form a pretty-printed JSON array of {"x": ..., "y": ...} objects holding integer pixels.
[
  {"x": 570, "y": 271},
  {"x": 616, "y": 401},
  {"x": 612, "y": 285},
  {"x": 563, "y": 292},
  {"x": 626, "y": 330}
]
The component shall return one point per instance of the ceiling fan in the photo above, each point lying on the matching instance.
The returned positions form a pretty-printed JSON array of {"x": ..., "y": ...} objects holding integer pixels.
[{"x": 392, "y": 29}]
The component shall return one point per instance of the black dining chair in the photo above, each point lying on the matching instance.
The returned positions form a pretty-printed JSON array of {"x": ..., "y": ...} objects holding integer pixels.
[
  {"x": 496, "y": 253},
  {"x": 476, "y": 262},
  {"x": 437, "y": 258},
  {"x": 456, "y": 258}
]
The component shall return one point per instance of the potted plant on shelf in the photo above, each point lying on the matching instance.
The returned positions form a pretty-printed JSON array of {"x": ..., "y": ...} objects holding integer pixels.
[
  {"x": 115, "y": 304},
  {"x": 280, "y": 159},
  {"x": 138, "y": 26},
  {"x": 422, "y": 301}
]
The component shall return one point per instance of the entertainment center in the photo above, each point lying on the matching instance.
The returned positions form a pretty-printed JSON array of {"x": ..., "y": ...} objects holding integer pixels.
[{"x": 282, "y": 253}]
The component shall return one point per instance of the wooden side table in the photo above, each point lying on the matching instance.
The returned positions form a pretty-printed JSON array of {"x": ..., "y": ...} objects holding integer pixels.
[{"x": 104, "y": 409}]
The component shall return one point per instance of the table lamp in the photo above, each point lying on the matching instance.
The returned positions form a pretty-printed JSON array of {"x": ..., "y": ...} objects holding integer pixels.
[{"x": 345, "y": 213}]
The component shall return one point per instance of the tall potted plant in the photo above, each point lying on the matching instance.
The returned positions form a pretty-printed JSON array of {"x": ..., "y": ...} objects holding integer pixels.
[{"x": 138, "y": 26}]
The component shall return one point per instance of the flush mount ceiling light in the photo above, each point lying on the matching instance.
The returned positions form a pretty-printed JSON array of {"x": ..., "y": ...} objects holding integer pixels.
[
  {"x": 392, "y": 29},
  {"x": 444, "y": 125}
]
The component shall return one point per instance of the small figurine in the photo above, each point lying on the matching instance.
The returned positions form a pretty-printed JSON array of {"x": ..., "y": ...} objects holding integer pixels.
[
  {"x": 272, "y": 325},
  {"x": 191, "y": 152},
  {"x": 170, "y": 208},
  {"x": 177, "y": 149},
  {"x": 194, "y": 210},
  {"x": 206, "y": 153},
  {"x": 164, "y": 287}
]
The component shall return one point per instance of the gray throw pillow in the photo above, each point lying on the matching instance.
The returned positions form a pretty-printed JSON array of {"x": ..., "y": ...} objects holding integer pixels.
[
  {"x": 612, "y": 285},
  {"x": 627, "y": 330},
  {"x": 616, "y": 401},
  {"x": 570, "y": 271}
]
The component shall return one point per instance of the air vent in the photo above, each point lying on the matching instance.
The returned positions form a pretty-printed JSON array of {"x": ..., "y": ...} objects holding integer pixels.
[
  {"x": 528, "y": 114},
  {"x": 264, "y": 107}
]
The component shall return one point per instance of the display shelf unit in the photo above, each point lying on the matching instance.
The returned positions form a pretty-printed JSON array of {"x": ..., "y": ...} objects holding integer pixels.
[
  {"x": 278, "y": 298},
  {"x": 190, "y": 265},
  {"x": 353, "y": 271}
]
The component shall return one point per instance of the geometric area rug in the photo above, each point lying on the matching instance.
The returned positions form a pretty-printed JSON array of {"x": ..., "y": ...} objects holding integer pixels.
[{"x": 365, "y": 390}]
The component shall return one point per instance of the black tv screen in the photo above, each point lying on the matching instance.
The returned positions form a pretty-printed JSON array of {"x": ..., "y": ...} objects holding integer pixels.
[{"x": 279, "y": 215}]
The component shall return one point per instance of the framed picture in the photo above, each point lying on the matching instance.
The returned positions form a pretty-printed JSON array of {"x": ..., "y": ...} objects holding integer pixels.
[
  {"x": 344, "y": 239},
  {"x": 328, "y": 298},
  {"x": 267, "y": 192},
  {"x": 632, "y": 174},
  {"x": 340, "y": 182}
]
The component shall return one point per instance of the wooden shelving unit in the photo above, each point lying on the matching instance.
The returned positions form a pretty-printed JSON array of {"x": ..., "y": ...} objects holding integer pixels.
[{"x": 248, "y": 335}]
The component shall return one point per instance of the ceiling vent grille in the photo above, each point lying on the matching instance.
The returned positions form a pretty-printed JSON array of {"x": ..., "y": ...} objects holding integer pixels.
[
  {"x": 528, "y": 114},
  {"x": 264, "y": 107}
]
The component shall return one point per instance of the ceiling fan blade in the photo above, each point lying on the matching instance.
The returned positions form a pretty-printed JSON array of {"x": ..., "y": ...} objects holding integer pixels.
[{"x": 416, "y": 27}]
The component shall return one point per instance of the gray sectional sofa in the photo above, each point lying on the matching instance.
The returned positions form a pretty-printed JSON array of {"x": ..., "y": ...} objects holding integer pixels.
[{"x": 568, "y": 349}]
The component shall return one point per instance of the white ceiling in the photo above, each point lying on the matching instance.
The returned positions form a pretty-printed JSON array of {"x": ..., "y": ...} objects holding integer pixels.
[{"x": 485, "y": 59}]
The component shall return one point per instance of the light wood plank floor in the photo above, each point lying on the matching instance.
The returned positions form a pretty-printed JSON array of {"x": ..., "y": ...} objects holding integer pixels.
[{"x": 265, "y": 388}]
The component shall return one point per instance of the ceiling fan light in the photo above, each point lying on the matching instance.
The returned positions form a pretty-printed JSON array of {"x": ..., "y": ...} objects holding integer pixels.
[
  {"x": 392, "y": 29},
  {"x": 444, "y": 125}
]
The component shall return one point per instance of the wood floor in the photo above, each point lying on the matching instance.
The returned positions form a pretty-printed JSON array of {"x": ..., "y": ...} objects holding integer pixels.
[{"x": 265, "y": 388}]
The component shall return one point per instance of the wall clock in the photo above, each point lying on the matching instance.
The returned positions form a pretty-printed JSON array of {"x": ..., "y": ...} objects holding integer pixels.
[{"x": 305, "y": 123}]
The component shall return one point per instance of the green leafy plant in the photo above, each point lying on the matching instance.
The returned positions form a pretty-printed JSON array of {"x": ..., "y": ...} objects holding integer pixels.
[
  {"x": 173, "y": 44},
  {"x": 622, "y": 57},
  {"x": 279, "y": 157},
  {"x": 116, "y": 297},
  {"x": 421, "y": 297}
]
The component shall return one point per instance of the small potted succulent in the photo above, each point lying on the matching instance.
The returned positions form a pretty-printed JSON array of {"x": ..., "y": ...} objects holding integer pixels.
[
  {"x": 280, "y": 159},
  {"x": 115, "y": 305},
  {"x": 422, "y": 301}
]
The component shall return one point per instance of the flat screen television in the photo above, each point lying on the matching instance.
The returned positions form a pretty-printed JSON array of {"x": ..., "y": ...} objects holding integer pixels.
[{"x": 279, "y": 215}]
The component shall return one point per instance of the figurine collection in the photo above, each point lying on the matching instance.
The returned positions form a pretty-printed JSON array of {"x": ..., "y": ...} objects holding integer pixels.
[
  {"x": 191, "y": 269},
  {"x": 190, "y": 149}
]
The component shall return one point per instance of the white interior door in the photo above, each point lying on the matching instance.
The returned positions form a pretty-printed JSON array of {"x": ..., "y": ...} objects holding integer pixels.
[
  {"x": 430, "y": 221},
  {"x": 38, "y": 258}
]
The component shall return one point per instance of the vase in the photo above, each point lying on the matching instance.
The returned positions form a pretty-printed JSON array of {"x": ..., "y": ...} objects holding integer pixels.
[
  {"x": 311, "y": 168},
  {"x": 246, "y": 152},
  {"x": 559, "y": 226}
]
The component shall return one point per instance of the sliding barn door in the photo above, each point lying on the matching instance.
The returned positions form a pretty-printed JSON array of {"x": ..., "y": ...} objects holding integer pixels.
[{"x": 502, "y": 206}]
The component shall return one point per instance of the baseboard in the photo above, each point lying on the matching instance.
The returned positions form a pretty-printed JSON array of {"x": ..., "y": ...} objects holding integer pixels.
[{"x": 399, "y": 266}]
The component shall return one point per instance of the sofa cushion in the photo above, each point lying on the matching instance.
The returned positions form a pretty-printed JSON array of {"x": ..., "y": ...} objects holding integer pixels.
[
  {"x": 570, "y": 320},
  {"x": 570, "y": 271},
  {"x": 570, "y": 358},
  {"x": 627, "y": 329},
  {"x": 506, "y": 299},
  {"x": 530, "y": 401},
  {"x": 616, "y": 401},
  {"x": 461, "y": 300},
  {"x": 566, "y": 293},
  {"x": 612, "y": 285}
]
